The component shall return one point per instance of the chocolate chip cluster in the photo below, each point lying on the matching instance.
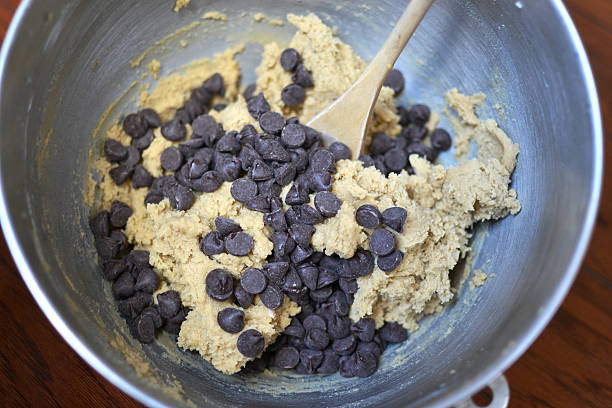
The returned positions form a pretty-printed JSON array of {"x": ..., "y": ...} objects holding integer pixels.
[
  {"x": 321, "y": 338},
  {"x": 133, "y": 279}
]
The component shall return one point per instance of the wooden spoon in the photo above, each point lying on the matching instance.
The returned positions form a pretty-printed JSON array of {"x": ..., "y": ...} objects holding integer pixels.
[{"x": 348, "y": 117}]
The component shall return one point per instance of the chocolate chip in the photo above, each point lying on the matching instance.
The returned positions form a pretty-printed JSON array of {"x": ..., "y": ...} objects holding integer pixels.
[
  {"x": 153, "y": 197},
  {"x": 114, "y": 150},
  {"x": 225, "y": 226},
  {"x": 289, "y": 59},
  {"x": 250, "y": 343},
  {"x": 144, "y": 142},
  {"x": 243, "y": 190},
  {"x": 320, "y": 181},
  {"x": 285, "y": 174},
  {"x": 287, "y": 357},
  {"x": 171, "y": 159},
  {"x": 132, "y": 158},
  {"x": 301, "y": 233},
  {"x": 299, "y": 157},
  {"x": 414, "y": 133},
  {"x": 297, "y": 195},
  {"x": 219, "y": 284},
  {"x": 253, "y": 281},
  {"x": 340, "y": 151},
  {"x": 215, "y": 84},
  {"x": 141, "y": 177},
  {"x": 314, "y": 322},
  {"x": 382, "y": 242},
  {"x": 173, "y": 324},
  {"x": 322, "y": 161},
  {"x": 293, "y": 95},
  {"x": 143, "y": 328},
  {"x": 112, "y": 268},
  {"x": 150, "y": 117},
  {"x": 212, "y": 243},
  {"x": 194, "y": 108},
  {"x": 174, "y": 130},
  {"x": 248, "y": 91},
  {"x": 310, "y": 360},
  {"x": 368, "y": 216},
  {"x": 201, "y": 95},
  {"x": 194, "y": 168},
  {"x": 228, "y": 143},
  {"x": 204, "y": 126},
  {"x": 239, "y": 244},
  {"x": 330, "y": 363},
  {"x": 345, "y": 346},
  {"x": 243, "y": 298},
  {"x": 364, "y": 329},
  {"x": 134, "y": 125},
  {"x": 395, "y": 159},
  {"x": 134, "y": 305},
  {"x": 365, "y": 364},
  {"x": 395, "y": 81},
  {"x": 293, "y": 135},
  {"x": 389, "y": 262},
  {"x": 147, "y": 281},
  {"x": 301, "y": 77},
  {"x": 300, "y": 254},
  {"x": 259, "y": 203},
  {"x": 283, "y": 244},
  {"x": 316, "y": 339},
  {"x": 209, "y": 182},
  {"x": 182, "y": 116},
  {"x": 394, "y": 218},
  {"x": 272, "y": 149},
  {"x": 169, "y": 303},
  {"x": 370, "y": 347},
  {"x": 231, "y": 320},
  {"x": 120, "y": 238},
  {"x": 338, "y": 326},
  {"x": 393, "y": 332},
  {"x": 272, "y": 122},
  {"x": 440, "y": 139},
  {"x": 361, "y": 264},
  {"x": 276, "y": 271},
  {"x": 327, "y": 203},
  {"x": 293, "y": 283},
  {"x": 309, "y": 274},
  {"x": 321, "y": 295},
  {"x": 153, "y": 312},
  {"x": 120, "y": 174},
  {"x": 229, "y": 169},
  {"x": 258, "y": 105},
  {"x": 402, "y": 112},
  {"x": 100, "y": 224},
  {"x": 295, "y": 328},
  {"x": 119, "y": 214},
  {"x": 138, "y": 257},
  {"x": 123, "y": 287},
  {"x": 349, "y": 286},
  {"x": 272, "y": 297},
  {"x": 366, "y": 160},
  {"x": 419, "y": 114},
  {"x": 380, "y": 143},
  {"x": 276, "y": 220},
  {"x": 181, "y": 198},
  {"x": 260, "y": 171}
]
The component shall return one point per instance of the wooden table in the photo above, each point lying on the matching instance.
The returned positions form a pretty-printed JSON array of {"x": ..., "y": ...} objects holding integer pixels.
[{"x": 570, "y": 365}]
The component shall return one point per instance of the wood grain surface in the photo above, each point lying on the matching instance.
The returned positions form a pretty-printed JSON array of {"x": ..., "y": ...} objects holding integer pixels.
[{"x": 570, "y": 365}]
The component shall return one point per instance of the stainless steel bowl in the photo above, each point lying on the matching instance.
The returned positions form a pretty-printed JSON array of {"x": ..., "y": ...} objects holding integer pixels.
[{"x": 64, "y": 61}]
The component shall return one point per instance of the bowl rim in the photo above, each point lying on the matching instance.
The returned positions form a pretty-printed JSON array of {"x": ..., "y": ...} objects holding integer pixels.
[{"x": 496, "y": 366}]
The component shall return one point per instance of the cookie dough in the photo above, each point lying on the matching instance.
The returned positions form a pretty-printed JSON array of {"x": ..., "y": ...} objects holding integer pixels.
[{"x": 442, "y": 204}]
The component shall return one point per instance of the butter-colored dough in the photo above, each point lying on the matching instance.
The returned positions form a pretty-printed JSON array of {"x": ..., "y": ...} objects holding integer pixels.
[{"x": 442, "y": 204}]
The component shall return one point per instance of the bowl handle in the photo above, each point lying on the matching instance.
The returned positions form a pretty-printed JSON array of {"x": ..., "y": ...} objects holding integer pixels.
[{"x": 500, "y": 395}]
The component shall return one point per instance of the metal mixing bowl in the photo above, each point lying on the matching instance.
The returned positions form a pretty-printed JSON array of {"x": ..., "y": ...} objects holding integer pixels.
[{"x": 64, "y": 61}]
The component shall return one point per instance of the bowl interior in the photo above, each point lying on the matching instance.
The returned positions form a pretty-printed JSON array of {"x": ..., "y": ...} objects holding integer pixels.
[{"x": 59, "y": 78}]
